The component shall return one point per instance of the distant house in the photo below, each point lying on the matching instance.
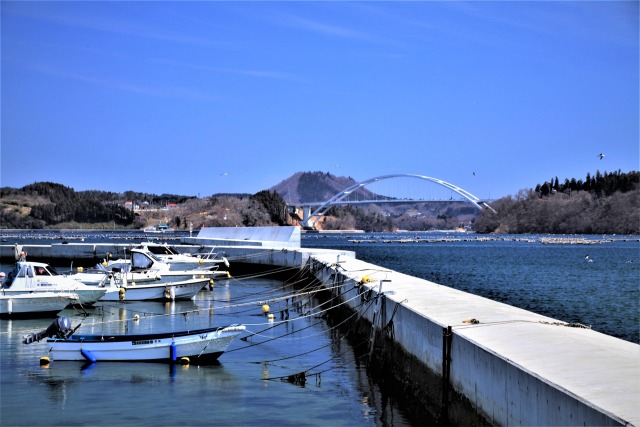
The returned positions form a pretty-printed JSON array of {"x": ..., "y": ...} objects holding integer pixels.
[
  {"x": 172, "y": 205},
  {"x": 131, "y": 206}
]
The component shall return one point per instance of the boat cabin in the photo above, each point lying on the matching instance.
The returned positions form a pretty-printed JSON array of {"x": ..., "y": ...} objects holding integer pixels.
[
  {"x": 143, "y": 260},
  {"x": 25, "y": 269},
  {"x": 161, "y": 249}
]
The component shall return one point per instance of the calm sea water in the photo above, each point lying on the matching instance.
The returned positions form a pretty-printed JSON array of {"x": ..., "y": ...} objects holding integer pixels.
[
  {"x": 246, "y": 388},
  {"x": 555, "y": 280}
]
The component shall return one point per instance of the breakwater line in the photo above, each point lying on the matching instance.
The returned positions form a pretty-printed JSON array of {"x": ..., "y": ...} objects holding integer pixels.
[{"x": 512, "y": 365}]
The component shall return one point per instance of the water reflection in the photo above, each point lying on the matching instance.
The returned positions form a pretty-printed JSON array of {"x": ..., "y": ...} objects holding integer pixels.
[{"x": 244, "y": 382}]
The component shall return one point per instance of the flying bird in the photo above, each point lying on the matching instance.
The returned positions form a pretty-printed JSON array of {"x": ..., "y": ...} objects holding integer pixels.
[{"x": 601, "y": 156}]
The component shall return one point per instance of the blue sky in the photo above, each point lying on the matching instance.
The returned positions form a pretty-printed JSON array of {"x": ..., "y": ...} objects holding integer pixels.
[{"x": 198, "y": 98}]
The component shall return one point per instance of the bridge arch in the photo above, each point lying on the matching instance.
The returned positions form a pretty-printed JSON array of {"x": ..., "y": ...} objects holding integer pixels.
[{"x": 309, "y": 222}]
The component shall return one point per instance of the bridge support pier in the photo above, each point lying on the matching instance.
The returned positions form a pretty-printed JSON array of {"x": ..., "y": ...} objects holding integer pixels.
[{"x": 306, "y": 217}]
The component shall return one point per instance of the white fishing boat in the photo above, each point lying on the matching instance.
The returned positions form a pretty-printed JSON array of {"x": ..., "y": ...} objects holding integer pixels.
[
  {"x": 185, "y": 261},
  {"x": 30, "y": 277},
  {"x": 36, "y": 304},
  {"x": 160, "y": 228},
  {"x": 142, "y": 267},
  {"x": 200, "y": 347},
  {"x": 150, "y": 291}
]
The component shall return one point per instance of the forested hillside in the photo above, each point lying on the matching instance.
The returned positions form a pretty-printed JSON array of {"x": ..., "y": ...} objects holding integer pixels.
[
  {"x": 45, "y": 203},
  {"x": 602, "y": 204},
  {"x": 606, "y": 203},
  {"x": 51, "y": 205}
]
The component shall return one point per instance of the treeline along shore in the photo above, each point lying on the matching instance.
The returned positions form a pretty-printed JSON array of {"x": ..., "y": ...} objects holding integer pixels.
[{"x": 605, "y": 203}]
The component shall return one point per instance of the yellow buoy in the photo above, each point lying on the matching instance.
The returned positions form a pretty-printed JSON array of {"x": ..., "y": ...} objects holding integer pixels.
[
  {"x": 270, "y": 316},
  {"x": 121, "y": 293},
  {"x": 184, "y": 361},
  {"x": 265, "y": 308},
  {"x": 44, "y": 360},
  {"x": 105, "y": 263},
  {"x": 136, "y": 317},
  {"x": 210, "y": 284},
  {"x": 229, "y": 274},
  {"x": 366, "y": 279},
  {"x": 201, "y": 261},
  {"x": 80, "y": 269}
]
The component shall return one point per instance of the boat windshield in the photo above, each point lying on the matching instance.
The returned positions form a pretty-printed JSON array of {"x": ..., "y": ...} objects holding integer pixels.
[
  {"x": 25, "y": 270},
  {"x": 161, "y": 250},
  {"x": 154, "y": 257},
  {"x": 52, "y": 271},
  {"x": 142, "y": 261}
]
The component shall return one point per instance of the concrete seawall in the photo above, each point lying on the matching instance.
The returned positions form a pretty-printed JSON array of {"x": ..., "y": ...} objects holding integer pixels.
[{"x": 514, "y": 366}]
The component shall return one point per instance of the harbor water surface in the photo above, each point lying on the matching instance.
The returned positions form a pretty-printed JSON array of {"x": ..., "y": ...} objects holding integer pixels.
[{"x": 250, "y": 385}]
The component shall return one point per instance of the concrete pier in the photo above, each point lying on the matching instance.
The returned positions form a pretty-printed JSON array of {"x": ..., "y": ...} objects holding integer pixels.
[{"x": 514, "y": 366}]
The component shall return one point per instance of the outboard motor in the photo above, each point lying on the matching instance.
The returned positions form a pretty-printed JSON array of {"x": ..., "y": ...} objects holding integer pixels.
[{"x": 60, "y": 328}]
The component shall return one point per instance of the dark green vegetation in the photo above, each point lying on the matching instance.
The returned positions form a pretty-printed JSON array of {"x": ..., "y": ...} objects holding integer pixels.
[
  {"x": 46, "y": 203},
  {"x": 50, "y": 205},
  {"x": 604, "y": 203}
]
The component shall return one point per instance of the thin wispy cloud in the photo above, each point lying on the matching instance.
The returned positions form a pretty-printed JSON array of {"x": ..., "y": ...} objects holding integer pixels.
[
  {"x": 119, "y": 25},
  {"x": 327, "y": 29},
  {"x": 174, "y": 92},
  {"x": 267, "y": 74},
  {"x": 552, "y": 20},
  {"x": 322, "y": 28}
]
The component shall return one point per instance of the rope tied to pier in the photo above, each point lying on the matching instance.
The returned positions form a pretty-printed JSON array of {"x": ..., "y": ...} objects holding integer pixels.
[
  {"x": 568, "y": 325},
  {"x": 388, "y": 329}
]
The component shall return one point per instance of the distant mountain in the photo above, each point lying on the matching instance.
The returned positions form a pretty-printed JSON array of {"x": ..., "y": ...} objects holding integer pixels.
[{"x": 304, "y": 187}]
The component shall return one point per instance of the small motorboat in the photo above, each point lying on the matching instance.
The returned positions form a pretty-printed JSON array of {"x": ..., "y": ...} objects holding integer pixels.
[
  {"x": 35, "y": 277},
  {"x": 160, "y": 228},
  {"x": 142, "y": 267},
  {"x": 149, "y": 291},
  {"x": 185, "y": 261},
  {"x": 36, "y": 304},
  {"x": 198, "y": 347}
]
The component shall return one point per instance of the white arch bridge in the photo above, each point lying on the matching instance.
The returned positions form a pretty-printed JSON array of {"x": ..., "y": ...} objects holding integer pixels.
[{"x": 310, "y": 218}]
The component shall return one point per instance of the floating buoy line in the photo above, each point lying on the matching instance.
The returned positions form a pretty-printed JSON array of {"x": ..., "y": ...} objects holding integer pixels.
[
  {"x": 355, "y": 314},
  {"x": 298, "y": 330}
]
